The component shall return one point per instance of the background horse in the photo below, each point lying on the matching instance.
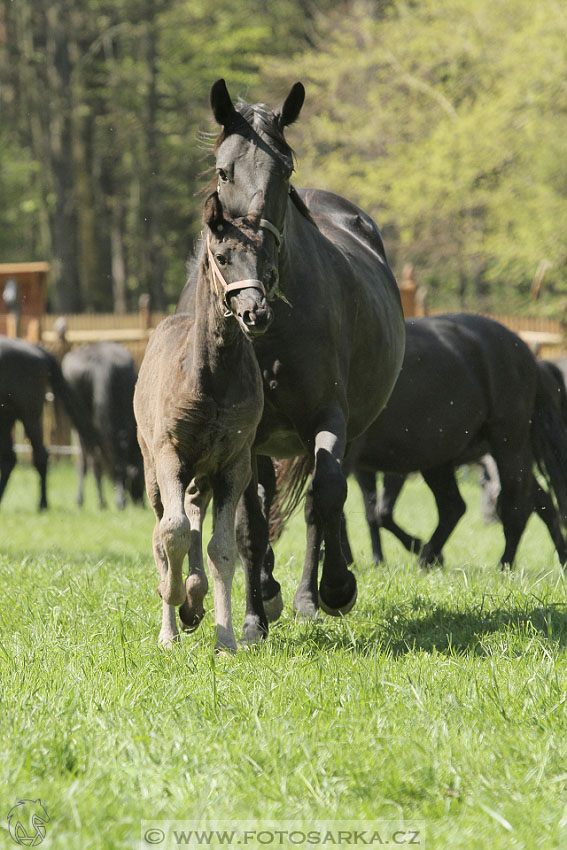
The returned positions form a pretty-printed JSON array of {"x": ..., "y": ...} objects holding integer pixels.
[
  {"x": 333, "y": 354},
  {"x": 197, "y": 402},
  {"x": 468, "y": 385},
  {"x": 103, "y": 376},
  {"x": 26, "y": 371},
  {"x": 379, "y": 513}
]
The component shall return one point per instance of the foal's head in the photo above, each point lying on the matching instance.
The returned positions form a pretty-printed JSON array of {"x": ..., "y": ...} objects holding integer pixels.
[
  {"x": 254, "y": 162},
  {"x": 240, "y": 260}
]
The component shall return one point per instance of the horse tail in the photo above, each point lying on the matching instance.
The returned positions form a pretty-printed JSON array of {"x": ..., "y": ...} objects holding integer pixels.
[
  {"x": 549, "y": 433},
  {"x": 65, "y": 395},
  {"x": 291, "y": 478}
]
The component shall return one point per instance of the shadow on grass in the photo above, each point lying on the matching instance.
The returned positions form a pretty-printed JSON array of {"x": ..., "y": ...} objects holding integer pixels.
[{"x": 438, "y": 628}]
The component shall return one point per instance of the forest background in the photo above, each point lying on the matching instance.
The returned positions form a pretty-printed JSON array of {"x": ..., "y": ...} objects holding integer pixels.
[{"x": 446, "y": 121}]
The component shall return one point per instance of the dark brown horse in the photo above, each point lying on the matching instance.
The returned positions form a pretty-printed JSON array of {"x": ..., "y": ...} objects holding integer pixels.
[
  {"x": 333, "y": 353},
  {"x": 26, "y": 372},
  {"x": 197, "y": 403},
  {"x": 103, "y": 375},
  {"x": 450, "y": 506}
]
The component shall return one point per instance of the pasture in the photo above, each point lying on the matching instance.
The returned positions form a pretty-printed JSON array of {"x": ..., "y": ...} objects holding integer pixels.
[{"x": 442, "y": 697}]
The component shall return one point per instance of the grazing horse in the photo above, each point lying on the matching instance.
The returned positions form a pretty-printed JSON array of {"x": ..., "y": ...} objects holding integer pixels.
[
  {"x": 468, "y": 386},
  {"x": 332, "y": 355},
  {"x": 103, "y": 376},
  {"x": 26, "y": 371},
  {"x": 198, "y": 401}
]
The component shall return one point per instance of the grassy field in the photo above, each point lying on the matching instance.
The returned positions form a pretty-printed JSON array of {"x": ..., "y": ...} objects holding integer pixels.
[{"x": 441, "y": 700}]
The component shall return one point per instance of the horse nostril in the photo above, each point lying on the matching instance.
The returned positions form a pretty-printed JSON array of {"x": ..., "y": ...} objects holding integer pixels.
[{"x": 248, "y": 318}]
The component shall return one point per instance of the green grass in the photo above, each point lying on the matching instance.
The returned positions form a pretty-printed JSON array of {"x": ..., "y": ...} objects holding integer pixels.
[{"x": 442, "y": 698}]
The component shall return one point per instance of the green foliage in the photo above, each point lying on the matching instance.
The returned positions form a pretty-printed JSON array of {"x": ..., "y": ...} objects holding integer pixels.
[
  {"x": 447, "y": 122},
  {"x": 440, "y": 698}
]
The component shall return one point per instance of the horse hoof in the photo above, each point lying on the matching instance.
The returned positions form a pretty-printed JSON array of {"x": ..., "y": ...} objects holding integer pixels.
[
  {"x": 305, "y": 607},
  {"x": 333, "y": 602},
  {"x": 190, "y": 618},
  {"x": 273, "y": 607},
  {"x": 253, "y": 630},
  {"x": 168, "y": 640}
]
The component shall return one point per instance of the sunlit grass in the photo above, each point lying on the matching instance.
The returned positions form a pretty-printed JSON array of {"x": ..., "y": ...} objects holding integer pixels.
[{"x": 441, "y": 698}]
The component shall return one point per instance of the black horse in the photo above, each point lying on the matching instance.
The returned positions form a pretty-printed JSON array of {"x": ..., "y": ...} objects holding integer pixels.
[
  {"x": 333, "y": 353},
  {"x": 548, "y": 452},
  {"x": 26, "y": 371},
  {"x": 468, "y": 386},
  {"x": 103, "y": 376}
]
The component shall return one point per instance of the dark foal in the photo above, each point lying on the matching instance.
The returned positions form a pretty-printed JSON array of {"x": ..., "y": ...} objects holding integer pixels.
[
  {"x": 333, "y": 354},
  {"x": 198, "y": 401}
]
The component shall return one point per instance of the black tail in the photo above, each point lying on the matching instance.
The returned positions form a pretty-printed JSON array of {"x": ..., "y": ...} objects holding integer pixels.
[
  {"x": 549, "y": 435},
  {"x": 65, "y": 395},
  {"x": 291, "y": 477}
]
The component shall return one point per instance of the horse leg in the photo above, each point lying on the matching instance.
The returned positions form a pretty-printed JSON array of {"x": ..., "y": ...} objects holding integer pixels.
[
  {"x": 366, "y": 480},
  {"x": 253, "y": 546},
  {"x": 450, "y": 508},
  {"x": 547, "y": 512},
  {"x": 82, "y": 466},
  {"x": 271, "y": 589},
  {"x": 227, "y": 487},
  {"x": 7, "y": 453},
  {"x": 34, "y": 430},
  {"x": 516, "y": 500},
  {"x": 98, "y": 468},
  {"x": 328, "y": 486},
  {"x": 392, "y": 485},
  {"x": 196, "y": 585},
  {"x": 169, "y": 481}
]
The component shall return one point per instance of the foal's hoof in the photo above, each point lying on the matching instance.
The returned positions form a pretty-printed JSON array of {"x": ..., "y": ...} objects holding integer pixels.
[
  {"x": 273, "y": 607},
  {"x": 305, "y": 606},
  {"x": 167, "y": 640},
  {"x": 190, "y": 618},
  {"x": 338, "y": 601}
]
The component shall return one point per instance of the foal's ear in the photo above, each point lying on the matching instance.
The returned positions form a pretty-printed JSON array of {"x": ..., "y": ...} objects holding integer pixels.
[
  {"x": 289, "y": 109},
  {"x": 221, "y": 104},
  {"x": 212, "y": 212}
]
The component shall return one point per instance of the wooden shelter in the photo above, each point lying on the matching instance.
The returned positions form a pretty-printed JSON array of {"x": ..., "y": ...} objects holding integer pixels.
[{"x": 31, "y": 280}]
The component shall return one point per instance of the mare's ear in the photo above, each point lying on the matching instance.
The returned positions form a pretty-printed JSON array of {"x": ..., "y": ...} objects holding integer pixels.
[
  {"x": 221, "y": 104},
  {"x": 289, "y": 109},
  {"x": 212, "y": 212}
]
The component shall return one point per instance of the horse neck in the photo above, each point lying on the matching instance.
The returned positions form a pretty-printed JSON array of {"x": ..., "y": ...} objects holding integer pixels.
[{"x": 219, "y": 343}]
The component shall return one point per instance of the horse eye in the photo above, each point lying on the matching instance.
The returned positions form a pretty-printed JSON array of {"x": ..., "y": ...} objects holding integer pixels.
[
  {"x": 221, "y": 259},
  {"x": 222, "y": 175}
]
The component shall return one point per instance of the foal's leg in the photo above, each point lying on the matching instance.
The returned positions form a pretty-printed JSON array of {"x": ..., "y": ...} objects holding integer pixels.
[
  {"x": 196, "y": 585},
  {"x": 392, "y": 485},
  {"x": 7, "y": 453},
  {"x": 450, "y": 508},
  {"x": 325, "y": 498},
  {"x": 228, "y": 487},
  {"x": 34, "y": 430}
]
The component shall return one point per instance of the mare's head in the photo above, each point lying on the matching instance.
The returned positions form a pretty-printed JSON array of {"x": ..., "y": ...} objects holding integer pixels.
[
  {"x": 254, "y": 162},
  {"x": 240, "y": 261}
]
